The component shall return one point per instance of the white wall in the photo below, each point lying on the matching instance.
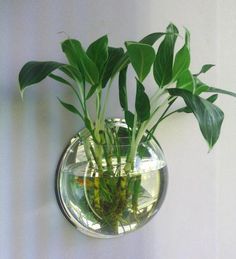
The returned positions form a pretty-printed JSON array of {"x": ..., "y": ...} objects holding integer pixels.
[{"x": 197, "y": 219}]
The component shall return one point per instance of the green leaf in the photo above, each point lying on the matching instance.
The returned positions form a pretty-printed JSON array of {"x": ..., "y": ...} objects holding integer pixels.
[
  {"x": 98, "y": 52},
  {"x": 209, "y": 116},
  {"x": 162, "y": 69},
  {"x": 212, "y": 98},
  {"x": 124, "y": 61},
  {"x": 182, "y": 59},
  {"x": 186, "y": 109},
  {"x": 152, "y": 38},
  {"x": 88, "y": 124},
  {"x": 129, "y": 118},
  {"x": 92, "y": 90},
  {"x": 200, "y": 87},
  {"x": 35, "y": 71},
  {"x": 204, "y": 69},
  {"x": 114, "y": 57},
  {"x": 70, "y": 108},
  {"x": 220, "y": 91},
  {"x": 142, "y": 103},
  {"x": 78, "y": 58},
  {"x": 191, "y": 83},
  {"x": 141, "y": 57},
  {"x": 123, "y": 89},
  {"x": 59, "y": 79},
  {"x": 73, "y": 51},
  {"x": 187, "y": 38},
  {"x": 185, "y": 81},
  {"x": 72, "y": 72}
]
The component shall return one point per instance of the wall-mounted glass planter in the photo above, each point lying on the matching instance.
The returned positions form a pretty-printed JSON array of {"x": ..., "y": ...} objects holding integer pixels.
[{"x": 100, "y": 193}]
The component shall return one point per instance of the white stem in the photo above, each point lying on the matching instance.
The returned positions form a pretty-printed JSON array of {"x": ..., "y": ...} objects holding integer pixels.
[
  {"x": 81, "y": 95},
  {"x": 156, "y": 95},
  {"x": 102, "y": 115},
  {"x": 133, "y": 146},
  {"x": 160, "y": 91}
]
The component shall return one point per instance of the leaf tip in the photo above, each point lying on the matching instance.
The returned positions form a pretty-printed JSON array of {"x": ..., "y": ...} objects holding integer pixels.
[
  {"x": 128, "y": 43},
  {"x": 210, "y": 147},
  {"x": 22, "y": 92}
]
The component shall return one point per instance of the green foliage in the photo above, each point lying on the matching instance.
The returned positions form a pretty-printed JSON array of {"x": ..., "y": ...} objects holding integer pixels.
[
  {"x": 162, "y": 69},
  {"x": 98, "y": 53},
  {"x": 70, "y": 107},
  {"x": 92, "y": 90},
  {"x": 182, "y": 59},
  {"x": 123, "y": 89},
  {"x": 115, "y": 55},
  {"x": 142, "y": 57},
  {"x": 209, "y": 116},
  {"x": 59, "y": 79},
  {"x": 124, "y": 61},
  {"x": 72, "y": 72},
  {"x": 89, "y": 72},
  {"x": 34, "y": 71},
  {"x": 129, "y": 118},
  {"x": 200, "y": 87},
  {"x": 204, "y": 69},
  {"x": 152, "y": 38},
  {"x": 78, "y": 58},
  {"x": 142, "y": 103},
  {"x": 220, "y": 91},
  {"x": 187, "y": 109},
  {"x": 186, "y": 81}
]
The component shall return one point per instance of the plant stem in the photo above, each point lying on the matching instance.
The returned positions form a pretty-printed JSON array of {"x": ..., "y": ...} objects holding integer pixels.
[
  {"x": 129, "y": 161},
  {"x": 80, "y": 95},
  {"x": 152, "y": 130},
  {"x": 97, "y": 157},
  {"x": 102, "y": 114},
  {"x": 145, "y": 125},
  {"x": 98, "y": 100}
]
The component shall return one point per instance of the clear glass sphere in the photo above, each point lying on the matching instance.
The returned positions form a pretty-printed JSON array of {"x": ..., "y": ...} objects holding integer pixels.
[{"x": 101, "y": 193}]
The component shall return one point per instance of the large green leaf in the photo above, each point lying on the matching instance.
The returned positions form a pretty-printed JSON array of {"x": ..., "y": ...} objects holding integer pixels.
[
  {"x": 123, "y": 89},
  {"x": 186, "y": 109},
  {"x": 124, "y": 61},
  {"x": 186, "y": 81},
  {"x": 182, "y": 59},
  {"x": 142, "y": 103},
  {"x": 73, "y": 51},
  {"x": 141, "y": 57},
  {"x": 35, "y": 71},
  {"x": 98, "y": 52},
  {"x": 152, "y": 38},
  {"x": 114, "y": 56},
  {"x": 209, "y": 116},
  {"x": 78, "y": 58},
  {"x": 162, "y": 68}
]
